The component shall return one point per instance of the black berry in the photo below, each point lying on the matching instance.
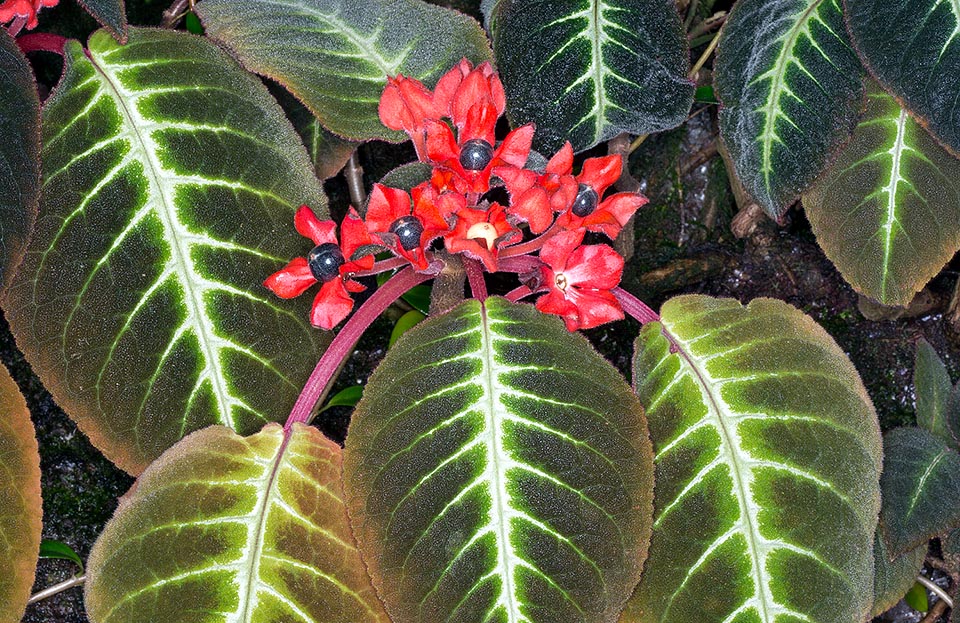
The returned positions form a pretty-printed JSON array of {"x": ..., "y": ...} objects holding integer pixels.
[
  {"x": 476, "y": 154},
  {"x": 408, "y": 230},
  {"x": 586, "y": 201},
  {"x": 325, "y": 261}
]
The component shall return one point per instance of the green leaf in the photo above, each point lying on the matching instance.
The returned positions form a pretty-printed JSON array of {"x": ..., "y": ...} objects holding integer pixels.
[
  {"x": 921, "y": 489},
  {"x": 768, "y": 456},
  {"x": 406, "y": 322},
  {"x": 887, "y": 212},
  {"x": 705, "y": 95},
  {"x": 592, "y": 69},
  {"x": 192, "y": 23},
  {"x": 112, "y": 14},
  {"x": 913, "y": 48},
  {"x": 498, "y": 469},
  {"x": 328, "y": 151},
  {"x": 937, "y": 405},
  {"x": 170, "y": 182},
  {"x": 19, "y": 155},
  {"x": 791, "y": 88},
  {"x": 406, "y": 176},
  {"x": 893, "y": 578},
  {"x": 60, "y": 551},
  {"x": 346, "y": 397},
  {"x": 229, "y": 529},
  {"x": 336, "y": 56},
  {"x": 916, "y": 598},
  {"x": 20, "y": 504}
]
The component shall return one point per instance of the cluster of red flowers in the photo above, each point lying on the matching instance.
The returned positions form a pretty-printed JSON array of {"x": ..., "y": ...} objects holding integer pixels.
[
  {"x": 555, "y": 205},
  {"x": 23, "y": 8}
]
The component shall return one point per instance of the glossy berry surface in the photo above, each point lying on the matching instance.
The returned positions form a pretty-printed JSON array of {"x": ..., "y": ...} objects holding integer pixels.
[
  {"x": 476, "y": 154},
  {"x": 325, "y": 261},
  {"x": 585, "y": 202},
  {"x": 408, "y": 230}
]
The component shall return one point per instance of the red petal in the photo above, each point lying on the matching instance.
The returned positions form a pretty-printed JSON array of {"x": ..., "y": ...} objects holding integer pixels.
[
  {"x": 599, "y": 173},
  {"x": 553, "y": 302},
  {"x": 533, "y": 207},
  {"x": 516, "y": 180},
  {"x": 309, "y": 226},
  {"x": 291, "y": 280},
  {"x": 557, "y": 249},
  {"x": 480, "y": 122},
  {"x": 446, "y": 88},
  {"x": 441, "y": 144},
  {"x": 595, "y": 307},
  {"x": 595, "y": 266},
  {"x": 515, "y": 148},
  {"x": 562, "y": 162},
  {"x": 563, "y": 197},
  {"x": 331, "y": 305},
  {"x": 353, "y": 235},
  {"x": 385, "y": 206}
]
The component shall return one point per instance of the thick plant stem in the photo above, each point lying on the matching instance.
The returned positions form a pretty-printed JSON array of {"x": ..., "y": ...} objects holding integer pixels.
[
  {"x": 635, "y": 307},
  {"x": 478, "y": 287},
  {"x": 42, "y": 42},
  {"x": 939, "y": 592},
  {"x": 317, "y": 385},
  {"x": 50, "y": 591}
]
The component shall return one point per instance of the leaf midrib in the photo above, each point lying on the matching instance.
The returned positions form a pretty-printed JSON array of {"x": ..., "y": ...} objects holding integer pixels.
[{"x": 896, "y": 153}]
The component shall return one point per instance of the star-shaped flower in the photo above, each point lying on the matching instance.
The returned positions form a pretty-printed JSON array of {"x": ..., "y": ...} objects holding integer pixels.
[
  {"x": 534, "y": 197},
  {"x": 406, "y": 227},
  {"x": 588, "y": 211},
  {"x": 479, "y": 233},
  {"x": 23, "y": 8}
]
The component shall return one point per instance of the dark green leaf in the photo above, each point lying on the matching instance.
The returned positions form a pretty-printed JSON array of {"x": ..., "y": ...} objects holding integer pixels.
[
  {"x": 921, "y": 489},
  {"x": 192, "y": 23},
  {"x": 419, "y": 298},
  {"x": 346, "y": 397},
  {"x": 791, "y": 88},
  {"x": 335, "y": 56},
  {"x": 227, "y": 529},
  {"x": 112, "y": 14},
  {"x": 916, "y": 598},
  {"x": 60, "y": 551},
  {"x": 705, "y": 95},
  {"x": 20, "y": 507},
  {"x": 893, "y": 578},
  {"x": 498, "y": 469},
  {"x": 768, "y": 457},
  {"x": 19, "y": 155},
  {"x": 170, "y": 182},
  {"x": 592, "y": 69},
  {"x": 887, "y": 211},
  {"x": 913, "y": 48},
  {"x": 405, "y": 323},
  {"x": 328, "y": 151},
  {"x": 933, "y": 389}
]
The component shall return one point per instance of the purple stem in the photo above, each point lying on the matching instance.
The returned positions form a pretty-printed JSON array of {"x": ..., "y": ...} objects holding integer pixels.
[
  {"x": 382, "y": 266},
  {"x": 42, "y": 42},
  {"x": 478, "y": 287},
  {"x": 518, "y": 293},
  {"x": 635, "y": 307},
  {"x": 519, "y": 264},
  {"x": 342, "y": 345}
]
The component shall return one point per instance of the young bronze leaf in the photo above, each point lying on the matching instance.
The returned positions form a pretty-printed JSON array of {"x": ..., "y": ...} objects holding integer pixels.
[
  {"x": 893, "y": 578},
  {"x": 768, "y": 457},
  {"x": 229, "y": 529},
  {"x": 20, "y": 507},
  {"x": 590, "y": 70},
  {"x": 921, "y": 488},
  {"x": 936, "y": 405},
  {"x": 19, "y": 155},
  {"x": 335, "y": 56},
  {"x": 791, "y": 87},
  {"x": 110, "y": 13},
  {"x": 497, "y": 469},
  {"x": 887, "y": 211},
  {"x": 913, "y": 48},
  {"x": 170, "y": 182}
]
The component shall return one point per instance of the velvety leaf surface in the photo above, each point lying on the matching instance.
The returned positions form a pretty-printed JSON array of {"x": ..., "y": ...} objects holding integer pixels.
[
  {"x": 938, "y": 400},
  {"x": 19, "y": 155},
  {"x": 225, "y": 529},
  {"x": 110, "y": 13},
  {"x": 921, "y": 488},
  {"x": 335, "y": 55},
  {"x": 170, "y": 182},
  {"x": 768, "y": 457},
  {"x": 20, "y": 507},
  {"x": 893, "y": 578},
  {"x": 913, "y": 48},
  {"x": 887, "y": 211},
  {"x": 497, "y": 469},
  {"x": 791, "y": 88},
  {"x": 328, "y": 151},
  {"x": 592, "y": 69}
]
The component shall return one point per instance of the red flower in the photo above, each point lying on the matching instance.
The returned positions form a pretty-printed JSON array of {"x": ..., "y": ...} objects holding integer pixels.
[
  {"x": 534, "y": 197},
  {"x": 407, "y": 105},
  {"x": 328, "y": 263},
  {"x": 471, "y": 156},
  {"x": 579, "y": 279},
  {"x": 608, "y": 216},
  {"x": 480, "y": 233},
  {"x": 464, "y": 87},
  {"x": 408, "y": 228},
  {"x": 23, "y": 8}
]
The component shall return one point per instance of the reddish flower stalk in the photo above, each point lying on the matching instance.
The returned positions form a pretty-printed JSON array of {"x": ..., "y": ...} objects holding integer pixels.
[
  {"x": 42, "y": 42},
  {"x": 478, "y": 287},
  {"x": 635, "y": 307},
  {"x": 317, "y": 386}
]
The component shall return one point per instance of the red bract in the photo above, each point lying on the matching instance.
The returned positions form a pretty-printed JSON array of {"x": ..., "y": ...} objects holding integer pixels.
[
  {"x": 579, "y": 279},
  {"x": 407, "y": 105},
  {"x": 23, "y": 8},
  {"x": 587, "y": 211},
  {"x": 534, "y": 197},
  {"x": 480, "y": 233},
  {"x": 464, "y": 87},
  {"x": 407, "y": 228},
  {"x": 328, "y": 263}
]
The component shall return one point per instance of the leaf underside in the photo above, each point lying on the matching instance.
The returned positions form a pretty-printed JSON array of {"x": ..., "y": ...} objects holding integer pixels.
[
  {"x": 913, "y": 48},
  {"x": 170, "y": 182},
  {"x": 226, "y": 529},
  {"x": 497, "y": 469},
  {"x": 20, "y": 504},
  {"x": 19, "y": 155},
  {"x": 938, "y": 399},
  {"x": 791, "y": 87},
  {"x": 112, "y": 14},
  {"x": 767, "y": 459},
  {"x": 921, "y": 489},
  {"x": 335, "y": 56},
  {"x": 591, "y": 69},
  {"x": 887, "y": 211},
  {"x": 893, "y": 578}
]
